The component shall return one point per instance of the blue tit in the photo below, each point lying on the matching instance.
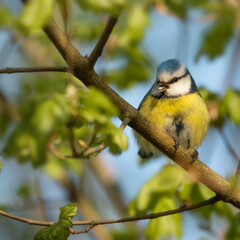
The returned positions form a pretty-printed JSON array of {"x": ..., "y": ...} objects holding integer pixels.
[{"x": 174, "y": 105}]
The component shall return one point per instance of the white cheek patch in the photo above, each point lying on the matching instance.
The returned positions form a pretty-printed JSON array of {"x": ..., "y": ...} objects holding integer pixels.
[{"x": 180, "y": 88}]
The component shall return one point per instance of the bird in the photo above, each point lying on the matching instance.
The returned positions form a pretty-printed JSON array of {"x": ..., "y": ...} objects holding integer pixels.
[{"x": 175, "y": 106}]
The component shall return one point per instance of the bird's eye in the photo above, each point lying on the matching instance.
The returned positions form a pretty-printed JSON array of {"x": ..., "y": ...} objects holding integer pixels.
[
  {"x": 158, "y": 81},
  {"x": 174, "y": 80}
]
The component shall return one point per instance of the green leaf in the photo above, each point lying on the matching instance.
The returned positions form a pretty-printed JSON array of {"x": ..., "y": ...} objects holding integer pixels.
[
  {"x": 67, "y": 213},
  {"x": 103, "y": 6},
  {"x": 220, "y": 32},
  {"x": 178, "y": 7},
  {"x": 137, "y": 22},
  {"x": 234, "y": 230},
  {"x": 7, "y": 18},
  {"x": 1, "y": 165},
  {"x": 115, "y": 139},
  {"x": 59, "y": 230},
  {"x": 97, "y": 107},
  {"x": 39, "y": 118},
  {"x": 229, "y": 105},
  {"x": 167, "y": 226},
  {"x": 35, "y": 15},
  {"x": 163, "y": 183}
]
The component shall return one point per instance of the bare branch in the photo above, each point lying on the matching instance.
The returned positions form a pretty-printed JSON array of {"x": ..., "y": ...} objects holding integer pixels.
[
  {"x": 9, "y": 70},
  {"x": 97, "y": 51},
  {"x": 94, "y": 223},
  {"x": 26, "y": 220}
]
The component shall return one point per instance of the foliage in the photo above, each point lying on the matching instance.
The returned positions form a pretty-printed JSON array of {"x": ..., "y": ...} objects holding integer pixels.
[
  {"x": 30, "y": 19},
  {"x": 59, "y": 230},
  {"x": 223, "y": 108},
  {"x": 170, "y": 188}
]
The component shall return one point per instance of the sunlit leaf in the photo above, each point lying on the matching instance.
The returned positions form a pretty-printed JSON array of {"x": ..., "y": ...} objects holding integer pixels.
[
  {"x": 39, "y": 117},
  {"x": 229, "y": 104},
  {"x": 6, "y": 19},
  {"x": 103, "y": 6},
  {"x": 59, "y": 230},
  {"x": 67, "y": 213},
  {"x": 35, "y": 15},
  {"x": 166, "y": 181},
  {"x": 167, "y": 226},
  {"x": 220, "y": 32},
  {"x": 137, "y": 22}
]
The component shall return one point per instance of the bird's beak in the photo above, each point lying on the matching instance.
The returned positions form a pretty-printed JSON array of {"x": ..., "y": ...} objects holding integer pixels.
[{"x": 163, "y": 87}]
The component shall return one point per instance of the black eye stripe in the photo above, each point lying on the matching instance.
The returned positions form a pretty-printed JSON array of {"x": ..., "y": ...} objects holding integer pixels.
[{"x": 175, "y": 79}]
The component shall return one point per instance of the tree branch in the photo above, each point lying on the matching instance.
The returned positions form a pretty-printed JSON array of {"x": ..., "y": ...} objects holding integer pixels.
[
  {"x": 98, "y": 49},
  {"x": 9, "y": 70},
  {"x": 94, "y": 223},
  {"x": 161, "y": 140}
]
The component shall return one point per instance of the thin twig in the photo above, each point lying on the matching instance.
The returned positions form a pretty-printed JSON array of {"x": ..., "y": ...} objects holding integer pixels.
[
  {"x": 92, "y": 150},
  {"x": 234, "y": 154},
  {"x": 92, "y": 224},
  {"x": 98, "y": 49},
  {"x": 9, "y": 70},
  {"x": 125, "y": 122}
]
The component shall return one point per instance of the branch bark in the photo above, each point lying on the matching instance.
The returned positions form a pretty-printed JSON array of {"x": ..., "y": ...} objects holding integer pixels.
[
  {"x": 82, "y": 70},
  {"x": 94, "y": 223},
  {"x": 98, "y": 49},
  {"x": 9, "y": 70}
]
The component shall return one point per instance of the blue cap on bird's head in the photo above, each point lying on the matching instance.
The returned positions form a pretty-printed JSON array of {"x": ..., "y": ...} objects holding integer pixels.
[
  {"x": 173, "y": 80},
  {"x": 170, "y": 66}
]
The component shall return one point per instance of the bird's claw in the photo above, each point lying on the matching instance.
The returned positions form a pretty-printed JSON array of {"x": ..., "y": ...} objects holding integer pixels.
[
  {"x": 176, "y": 145},
  {"x": 194, "y": 155}
]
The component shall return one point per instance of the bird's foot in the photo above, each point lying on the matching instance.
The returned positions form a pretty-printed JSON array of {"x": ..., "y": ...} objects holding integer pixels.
[
  {"x": 194, "y": 155},
  {"x": 176, "y": 145}
]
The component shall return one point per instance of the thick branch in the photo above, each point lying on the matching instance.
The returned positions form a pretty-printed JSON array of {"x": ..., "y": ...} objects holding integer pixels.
[
  {"x": 9, "y": 70},
  {"x": 92, "y": 224},
  {"x": 159, "y": 139},
  {"x": 98, "y": 49}
]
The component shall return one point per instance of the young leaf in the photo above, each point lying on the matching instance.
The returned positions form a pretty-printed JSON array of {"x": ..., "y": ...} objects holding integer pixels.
[
  {"x": 220, "y": 32},
  {"x": 167, "y": 226},
  {"x": 39, "y": 117},
  {"x": 163, "y": 183},
  {"x": 67, "y": 213},
  {"x": 232, "y": 99},
  {"x": 103, "y": 6},
  {"x": 6, "y": 19},
  {"x": 59, "y": 230},
  {"x": 35, "y": 15}
]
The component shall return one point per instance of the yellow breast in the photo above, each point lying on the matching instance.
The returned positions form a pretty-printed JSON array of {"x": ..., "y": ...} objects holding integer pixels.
[{"x": 191, "y": 108}]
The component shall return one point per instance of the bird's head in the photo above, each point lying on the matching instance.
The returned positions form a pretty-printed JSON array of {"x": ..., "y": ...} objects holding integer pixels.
[{"x": 173, "y": 80}]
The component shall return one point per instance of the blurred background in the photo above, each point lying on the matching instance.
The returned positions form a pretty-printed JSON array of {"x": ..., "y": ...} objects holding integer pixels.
[{"x": 48, "y": 120}]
